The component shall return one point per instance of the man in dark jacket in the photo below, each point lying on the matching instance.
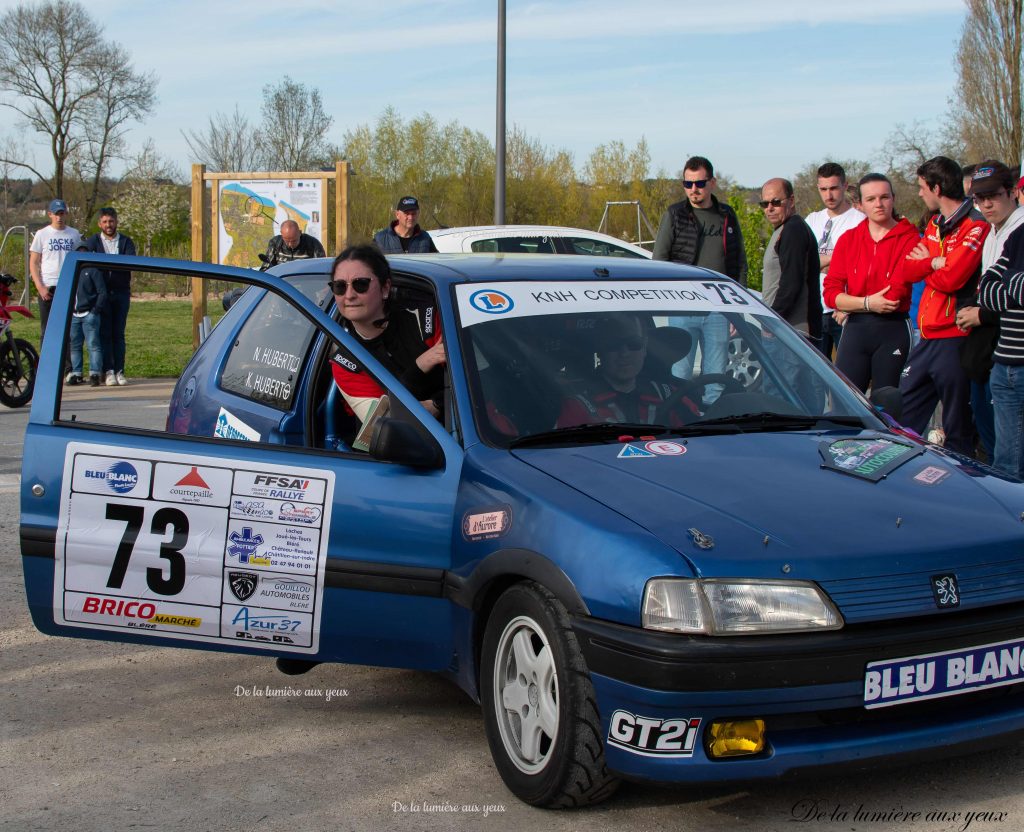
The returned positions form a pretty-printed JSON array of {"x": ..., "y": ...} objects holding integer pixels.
[
  {"x": 404, "y": 233},
  {"x": 119, "y": 295},
  {"x": 790, "y": 278},
  {"x": 701, "y": 231},
  {"x": 291, "y": 244},
  {"x": 90, "y": 302},
  {"x": 790, "y": 288}
]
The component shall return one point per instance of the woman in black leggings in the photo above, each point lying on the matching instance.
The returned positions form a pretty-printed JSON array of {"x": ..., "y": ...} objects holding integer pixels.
[{"x": 865, "y": 282}]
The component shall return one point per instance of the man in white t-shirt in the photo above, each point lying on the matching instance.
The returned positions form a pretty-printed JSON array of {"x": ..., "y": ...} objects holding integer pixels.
[
  {"x": 50, "y": 246},
  {"x": 828, "y": 225}
]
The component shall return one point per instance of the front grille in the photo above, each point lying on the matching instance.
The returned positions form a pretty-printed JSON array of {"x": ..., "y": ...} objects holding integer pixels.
[{"x": 909, "y": 594}]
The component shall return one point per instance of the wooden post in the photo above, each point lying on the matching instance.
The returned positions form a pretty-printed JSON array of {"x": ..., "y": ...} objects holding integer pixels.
[
  {"x": 341, "y": 172},
  {"x": 200, "y": 230}
]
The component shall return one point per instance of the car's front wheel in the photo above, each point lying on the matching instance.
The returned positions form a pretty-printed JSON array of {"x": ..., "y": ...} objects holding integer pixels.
[{"x": 540, "y": 711}]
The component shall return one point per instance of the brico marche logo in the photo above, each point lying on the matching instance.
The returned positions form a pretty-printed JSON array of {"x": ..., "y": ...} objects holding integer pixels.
[{"x": 121, "y": 477}]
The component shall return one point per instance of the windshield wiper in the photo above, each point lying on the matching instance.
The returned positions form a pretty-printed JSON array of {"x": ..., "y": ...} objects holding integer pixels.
[
  {"x": 600, "y": 432},
  {"x": 770, "y": 420}
]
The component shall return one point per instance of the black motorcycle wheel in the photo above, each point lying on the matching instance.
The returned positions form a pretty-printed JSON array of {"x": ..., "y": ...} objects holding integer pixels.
[{"x": 17, "y": 372}]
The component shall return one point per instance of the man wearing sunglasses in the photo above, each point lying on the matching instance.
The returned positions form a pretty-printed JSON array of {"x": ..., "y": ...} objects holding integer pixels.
[
  {"x": 791, "y": 261},
  {"x": 618, "y": 390},
  {"x": 701, "y": 231}
]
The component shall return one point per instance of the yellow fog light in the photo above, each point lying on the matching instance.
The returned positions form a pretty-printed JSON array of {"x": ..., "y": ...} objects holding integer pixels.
[{"x": 735, "y": 739}]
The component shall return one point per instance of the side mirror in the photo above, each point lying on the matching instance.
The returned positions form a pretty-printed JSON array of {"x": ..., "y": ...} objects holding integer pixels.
[
  {"x": 395, "y": 440},
  {"x": 889, "y": 400}
]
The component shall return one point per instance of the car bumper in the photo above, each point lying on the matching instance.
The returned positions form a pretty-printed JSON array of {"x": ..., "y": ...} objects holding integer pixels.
[{"x": 659, "y": 694}]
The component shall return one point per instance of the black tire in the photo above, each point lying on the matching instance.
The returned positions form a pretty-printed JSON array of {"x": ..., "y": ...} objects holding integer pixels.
[
  {"x": 530, "y": 656},
  {"x": 17, "y": 373}
]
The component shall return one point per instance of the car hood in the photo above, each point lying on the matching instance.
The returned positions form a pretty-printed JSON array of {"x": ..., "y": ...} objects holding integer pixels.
[{"x": 764, "y": 506}]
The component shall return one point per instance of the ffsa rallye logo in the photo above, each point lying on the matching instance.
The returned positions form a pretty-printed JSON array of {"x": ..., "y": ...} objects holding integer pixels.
[{"x": 491, "y": 301}]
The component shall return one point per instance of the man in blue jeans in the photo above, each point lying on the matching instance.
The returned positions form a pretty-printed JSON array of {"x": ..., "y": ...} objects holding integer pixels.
[
  {"x": 119, "y": 288},
  {"x": 90, "y": 300},
  {"x": 1002, "y": 290},
  {"x": 701, "y": 231}
]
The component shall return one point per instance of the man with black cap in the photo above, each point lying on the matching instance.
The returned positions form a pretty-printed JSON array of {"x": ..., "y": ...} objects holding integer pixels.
[
  {"x": 994, "y": 188},
  {"x": 50, "y": 246},
  {"x": 404, "y": 234}
]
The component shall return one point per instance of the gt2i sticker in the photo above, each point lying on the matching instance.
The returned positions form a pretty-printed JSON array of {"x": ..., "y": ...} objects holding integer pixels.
[
  {"x": 653, "y": 737},
  {"x": 192, "y": 548},
  {"x": 486, "y": 524}
]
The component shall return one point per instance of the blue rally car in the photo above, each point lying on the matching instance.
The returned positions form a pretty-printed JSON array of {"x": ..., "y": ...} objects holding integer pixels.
[{"x": 640, "y": 567}]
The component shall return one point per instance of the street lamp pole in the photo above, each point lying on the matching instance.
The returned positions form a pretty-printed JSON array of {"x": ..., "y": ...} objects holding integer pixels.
[{"x": 499, "y": 139}]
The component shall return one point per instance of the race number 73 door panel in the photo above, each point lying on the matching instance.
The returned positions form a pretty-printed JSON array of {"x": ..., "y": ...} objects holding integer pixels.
[{"x": 192, "y": 548}]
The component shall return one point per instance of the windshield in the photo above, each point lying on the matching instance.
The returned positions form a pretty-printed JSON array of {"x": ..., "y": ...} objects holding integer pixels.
[{"x": 578, "y": 362}]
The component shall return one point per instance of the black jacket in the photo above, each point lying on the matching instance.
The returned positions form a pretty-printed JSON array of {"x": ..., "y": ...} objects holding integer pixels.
[
  {"x": 278, "y": 251},
  {"x": 390, "y": 243},
  {"x": 679, "y": 238},
  {"x": 117, "y": 280}
]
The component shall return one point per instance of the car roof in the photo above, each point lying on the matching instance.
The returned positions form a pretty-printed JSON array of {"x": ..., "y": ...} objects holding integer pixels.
[{"x": 446, "y": 269}]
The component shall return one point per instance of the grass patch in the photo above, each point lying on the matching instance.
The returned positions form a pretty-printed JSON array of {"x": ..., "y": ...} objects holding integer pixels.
[{"x": 158, "y": 336}]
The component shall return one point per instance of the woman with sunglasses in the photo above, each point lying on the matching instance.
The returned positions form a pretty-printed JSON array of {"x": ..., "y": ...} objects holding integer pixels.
[
  {"x": 406, "y": 341},
  {"x": 865, "y": 280}
]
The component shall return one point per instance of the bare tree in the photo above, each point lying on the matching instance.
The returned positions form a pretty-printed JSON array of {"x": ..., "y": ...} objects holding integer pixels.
[
  {"x": 988, "y": 96},
  {"x": 229, "y": 143},
  {"x": 294, "y": 127},
  {"x": 70, "y": 85}
]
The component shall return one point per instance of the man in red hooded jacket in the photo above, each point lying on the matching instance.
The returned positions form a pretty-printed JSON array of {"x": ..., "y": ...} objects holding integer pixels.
[{"x": 948, "y": 260}]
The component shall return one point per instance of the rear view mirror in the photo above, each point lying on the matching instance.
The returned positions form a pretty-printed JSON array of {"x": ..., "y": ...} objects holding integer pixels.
[{"x": 396, "y": 440}]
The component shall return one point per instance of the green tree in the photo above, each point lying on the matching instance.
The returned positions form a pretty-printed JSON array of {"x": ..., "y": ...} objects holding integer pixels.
[{"x": 151, "y": 207}]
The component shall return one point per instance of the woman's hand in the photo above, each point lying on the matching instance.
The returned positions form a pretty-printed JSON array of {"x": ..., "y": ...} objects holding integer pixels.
[{"x": 426, "y": 361}]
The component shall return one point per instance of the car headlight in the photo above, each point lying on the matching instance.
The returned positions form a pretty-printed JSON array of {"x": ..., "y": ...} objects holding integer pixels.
[{"x": 736, "y": 607}]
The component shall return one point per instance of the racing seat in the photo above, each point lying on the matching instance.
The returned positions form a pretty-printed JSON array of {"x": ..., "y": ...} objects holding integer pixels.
[{"x": 665, "y": 346}]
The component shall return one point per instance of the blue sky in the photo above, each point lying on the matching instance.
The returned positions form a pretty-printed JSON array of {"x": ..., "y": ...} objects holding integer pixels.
[{"x": 760, "y": 87}]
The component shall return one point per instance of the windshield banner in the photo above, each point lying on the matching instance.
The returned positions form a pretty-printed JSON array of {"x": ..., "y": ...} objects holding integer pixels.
[{"x": 490, "y": 301}]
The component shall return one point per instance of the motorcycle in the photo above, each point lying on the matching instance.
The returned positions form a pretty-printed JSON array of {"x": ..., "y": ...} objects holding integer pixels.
[{"x": 18, "y": 358}]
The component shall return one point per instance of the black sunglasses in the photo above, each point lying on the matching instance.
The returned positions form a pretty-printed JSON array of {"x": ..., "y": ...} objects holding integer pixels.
[
  {"x": 694, "y": 183},
  {"x": 360, "y": 285},
  {"x": 775, "y": 203}
]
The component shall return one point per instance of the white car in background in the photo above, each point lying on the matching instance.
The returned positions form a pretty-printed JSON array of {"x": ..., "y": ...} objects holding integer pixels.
[{"x": 532, "y": 239}]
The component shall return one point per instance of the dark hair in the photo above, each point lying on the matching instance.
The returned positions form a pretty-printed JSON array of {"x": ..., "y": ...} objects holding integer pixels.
[
  {"x": 108, "y": 212},
  {"x": 830, "y": 169},
  {"x": 874, "y": 177},
  {"x": 698, "y": 162},
  {"x": 968, "y": 170},
  {"x": 944, "y": 173},
  {"x": 868, "y": 178},
  {"x": 368, "y": 254}
]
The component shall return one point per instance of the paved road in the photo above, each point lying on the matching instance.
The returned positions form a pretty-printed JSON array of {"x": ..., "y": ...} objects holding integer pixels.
[{"x": 99, "y": 737}]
